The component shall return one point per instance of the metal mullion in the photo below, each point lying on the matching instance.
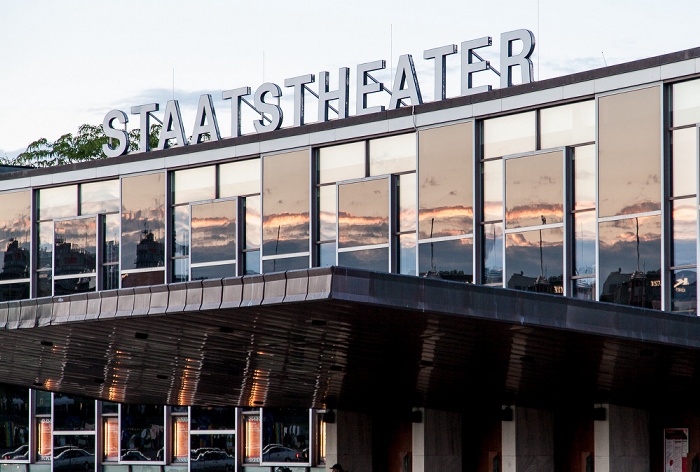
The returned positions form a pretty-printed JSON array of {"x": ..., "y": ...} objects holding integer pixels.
[
  {"x": 596, "y": 296},
  {"x": 503, "y": 223},
  {"x": 568, "y": 221},
  {"x": 189, "y": 242},
  {"x": 393, "y": 224},
  {"x": 521, "y": 229},
  {"x": 697, "y": 206},
  {"x": 168, "y": 226},
  {"x": 315, "y": 216},
  {"x": 666, "y": 215},
  {"x": 477, "y": 205}
]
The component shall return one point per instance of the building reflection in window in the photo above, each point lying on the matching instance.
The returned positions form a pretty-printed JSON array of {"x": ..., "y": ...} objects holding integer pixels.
[
  {"x": 213, "y": 439},
  {"x": 630, "y": 261},
  {"x": 534, "y": 260},
  {"x": 449, "y": 260},
  {"x": 15, "y": 237}
]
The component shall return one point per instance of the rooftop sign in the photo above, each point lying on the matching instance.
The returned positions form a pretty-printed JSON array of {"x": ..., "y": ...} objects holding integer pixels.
[{"x": 405, "y": 87}]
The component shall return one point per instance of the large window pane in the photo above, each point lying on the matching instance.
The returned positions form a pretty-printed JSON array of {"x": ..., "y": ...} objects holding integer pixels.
[
  {"x": 282, "y": 264},
  {"x": 141, "y": 279},
  {"x": 73, "y": 413},
  {"x": 567, "y": 124},
  {"x": 74, "y": 453},
  {"x": 15, "y": 235},
  {"x": 630, "y": 261},
  {"x": 213, "y": 452},
  {"x": 535, "y": 260},
  {"x": 363, "y": 213},
  {"x": 286, "y": 203},
  {"x": 535, "y": 190},
  {"x": 449, "y": 260},
  {"x": 57, "y": 202},
  {"x": 192, "y": 185},
  {"x": 392, "y": 155},
  {"x": 685, "y": 221},
  {"x": 213, "y": 271},
  {"x": 214, "y": 231},
  {"x": 686, "y": 103},
  {"x": 143, "y": 221},
  {"x": 445, "y": 168},
  {"x": 239, "y": 178},
  {"x": 99, "y": 197},
  {"x": 208, "y": 418},
  {"x": 584, "y": 177},
  {"x": 493, "y": 190},
  {"x": 685, "y": 162},
  {"x": 629, "y": 152},
  {"x": 344, "y": 162},
  {"x": 285, "y": 434},
  {"x": 14, "y": 423},
  {"x": 511, "y": 134},
  {"x": 142, "y": 432},
  {"x": 75, "y": 245}
]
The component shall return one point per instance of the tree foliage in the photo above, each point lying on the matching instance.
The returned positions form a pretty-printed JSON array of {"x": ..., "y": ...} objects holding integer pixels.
[{"x": 86, "y": 145}]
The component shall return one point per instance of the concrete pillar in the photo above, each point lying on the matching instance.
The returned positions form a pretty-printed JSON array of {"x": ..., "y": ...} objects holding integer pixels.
[
  {"x": 437, "y": 441},
  {"x": 349, "y": 441},
  {"x": 527, "y": 442},
  {"x": 622, "y": 440}
]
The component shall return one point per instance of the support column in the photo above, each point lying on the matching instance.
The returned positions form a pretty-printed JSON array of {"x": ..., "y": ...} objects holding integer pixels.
[
  {"x": 437, "y": 441},
  {"x": 528, "y": 441},
  {"x": 349, "y": 441},
  {"x": 622, "y": 440}
]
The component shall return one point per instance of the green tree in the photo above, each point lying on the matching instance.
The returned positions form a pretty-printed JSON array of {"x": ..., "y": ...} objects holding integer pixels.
[{"x": 86, "y": 145}]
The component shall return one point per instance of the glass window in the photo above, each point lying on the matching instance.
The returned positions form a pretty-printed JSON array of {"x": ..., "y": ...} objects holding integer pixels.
[
  {"x": 180, "y": 438},
  {"x": 285, "y": 435},
  {"x": 143, "y": 221},
  {"x": 684, "y": 291},
  {"x": 214, "y": 231},
  {"x": 74, "y": 453},
  {"x": 535, "y": 190},
  {"x": 326, "y": 209},
  {"x": 252, "y": 262},
  {"x": 142, "y": 428},
  {"x": 111, "y": 233},
  {"x": 111, "y": 438},
  {"x": 584, "y": 243},
  {"x": 15, "y": 235},
  {"x": 584, "y": 288},
  {"x": 252, "y": 222},
  {"x": 392, "y": 155},
  {"x": 208, "y": 418},
  {"x": 629, "y": 152},
  {"x": 213, "y": 452},
  {"x": 141, "y": 279},
  {"x": 73, "y": 413},
  {"x": 493, "y": 254},
  {"x": 512, "y": 134},
  {"x": 535, "y": 260},
  {"x": 239, "y": 178},
  {"x": 43, "y": 440},
  {"x": 567, "y": 124},
  {"x": 218, "y": 271},
  {"x": 584, "y": 177},
  {"x": 286, "y": 203},
  {"x": 99, "y": 197},
  {"x": 449, "y": 260},
  {"x": 14, "y": 423},
  {"x": 326, "y": 254},
  {"x": 181, "y": 270},
  {"x": 445, "y": 167},
  {"x": 368, "y": 259},
  {"x": 363, "y": 213},
  {"x": 343, "y": 162},
  {"x": 407, "y": 202},
  {"x": 493, "y": 190},
  {"x": 685, "y": 223},
  {"x": 192, "y": 185},
  {"x": 281, "y": 264},
  {"x": 407, "y": 254},
  {"x": 251, "y": 446},
  {"x": 181, "y": 231},
  {"x": 685, "y": 162},
  {"x": 76, "y": 246},
  {"x": 57, "y": 202},
  {"x": 630, "y": 261},
  {"x": 686, "y": 103},
  {"x": 43, "y": 403}
]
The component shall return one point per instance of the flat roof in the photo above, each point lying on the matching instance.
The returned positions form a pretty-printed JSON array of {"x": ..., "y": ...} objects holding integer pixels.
[{"x": 337, "y": 337}]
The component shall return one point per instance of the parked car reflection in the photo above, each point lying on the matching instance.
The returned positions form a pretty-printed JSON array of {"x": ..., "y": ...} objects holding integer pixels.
[
  {"x": 134, "y": 456},
  {"x": 279, "y": 453},
  {"x": 74, "y": 460},
  {"x": 213, "y": 460},
  {"x": 20, "y": 453}
]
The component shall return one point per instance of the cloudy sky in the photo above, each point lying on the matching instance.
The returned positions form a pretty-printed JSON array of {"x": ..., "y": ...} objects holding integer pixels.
[{"x": 66, "y": 63}]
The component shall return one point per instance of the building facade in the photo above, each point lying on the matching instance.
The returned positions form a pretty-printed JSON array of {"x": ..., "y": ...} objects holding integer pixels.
[{"x": 503, "y": 281}]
